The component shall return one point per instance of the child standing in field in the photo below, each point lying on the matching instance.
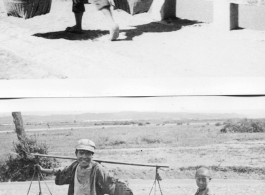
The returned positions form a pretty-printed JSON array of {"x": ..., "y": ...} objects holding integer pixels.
[
  {"x": 103, "y": 6},
  {"x": 203, "y": 178}
]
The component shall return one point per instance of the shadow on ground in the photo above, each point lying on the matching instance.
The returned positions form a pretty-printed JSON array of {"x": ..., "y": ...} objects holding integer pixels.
[
  {"x": 169, "y": 25},
  {"x": 86, "y": 35}
]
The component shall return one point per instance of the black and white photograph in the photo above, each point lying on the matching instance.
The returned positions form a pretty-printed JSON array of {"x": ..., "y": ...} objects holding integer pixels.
[
  {"x": 122, "y": 146},
  {"x": 103, "y": 39},
  {"x": 132, "y": 97}
]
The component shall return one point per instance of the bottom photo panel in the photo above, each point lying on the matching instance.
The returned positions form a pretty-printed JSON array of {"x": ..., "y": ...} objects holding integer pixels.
[{"x": 181, "y": 145}]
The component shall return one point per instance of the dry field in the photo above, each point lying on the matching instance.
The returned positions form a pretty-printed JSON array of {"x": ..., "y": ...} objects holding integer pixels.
[
  {"x": 182, "y": 147},
  {"x": 39, "y": 48}
]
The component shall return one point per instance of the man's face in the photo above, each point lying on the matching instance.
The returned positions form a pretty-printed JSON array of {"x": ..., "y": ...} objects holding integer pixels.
[
  {"x": 84, "y": 157},
  {"x": 202, "y": 182}
]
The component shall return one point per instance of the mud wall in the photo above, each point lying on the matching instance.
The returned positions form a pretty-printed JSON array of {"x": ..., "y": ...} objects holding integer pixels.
[{"x": 252, "y": 17}]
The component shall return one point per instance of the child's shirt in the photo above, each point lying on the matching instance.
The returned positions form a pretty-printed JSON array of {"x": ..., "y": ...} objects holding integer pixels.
[
  {"x": 82, "y": 181},
  {"x": 206, "y": 191}
]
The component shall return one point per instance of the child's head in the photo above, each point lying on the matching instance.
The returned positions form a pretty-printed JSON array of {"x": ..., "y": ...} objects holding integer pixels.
[
  {"x": 203, "y": 176},
  {"x": 84, "y": 152}
]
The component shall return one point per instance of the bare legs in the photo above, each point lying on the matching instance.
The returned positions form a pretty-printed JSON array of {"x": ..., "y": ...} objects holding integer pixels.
[{"x": 113, "y": 27}]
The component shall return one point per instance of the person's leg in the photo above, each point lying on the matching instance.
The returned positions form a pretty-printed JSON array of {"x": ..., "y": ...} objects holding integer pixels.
[
  {"x": 104, "y": 6},
  {"x": 78, "y": 20},
  {"x": 78, "y": 9},
  {"x": 113, "y": 26}
]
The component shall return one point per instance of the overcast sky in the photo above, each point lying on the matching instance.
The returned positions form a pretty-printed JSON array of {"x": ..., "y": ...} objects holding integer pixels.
[{"x": 217, "y": 104}]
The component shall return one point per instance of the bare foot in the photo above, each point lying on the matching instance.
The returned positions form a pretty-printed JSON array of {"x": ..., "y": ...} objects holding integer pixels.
[{"x": 114, "y": 32}]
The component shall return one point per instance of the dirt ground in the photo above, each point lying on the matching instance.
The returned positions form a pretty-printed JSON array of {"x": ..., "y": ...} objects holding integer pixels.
[
  {"x": 39, "y": 48},
  {"x": 143, "y": 187}
]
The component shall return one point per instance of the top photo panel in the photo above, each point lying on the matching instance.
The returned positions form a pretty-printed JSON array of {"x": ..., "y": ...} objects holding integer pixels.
[{"x": 150, "y": 39}]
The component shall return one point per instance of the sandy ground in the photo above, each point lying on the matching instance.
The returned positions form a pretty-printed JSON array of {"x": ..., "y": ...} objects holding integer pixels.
[
  {"x": 143, "y": 187},
  {"x": 39, "y": 48}
]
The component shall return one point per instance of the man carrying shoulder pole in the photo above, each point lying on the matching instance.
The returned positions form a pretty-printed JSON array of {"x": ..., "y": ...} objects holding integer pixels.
[{"x": 85, "y": 176}]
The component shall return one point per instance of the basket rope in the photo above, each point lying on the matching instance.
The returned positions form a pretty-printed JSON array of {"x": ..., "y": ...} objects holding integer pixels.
[{"x": 40, "y": 176}]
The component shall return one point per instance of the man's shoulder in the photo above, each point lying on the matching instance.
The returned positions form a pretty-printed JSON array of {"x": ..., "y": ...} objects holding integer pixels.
[
  {"x": 71, "y": 167},
  {"x": 74, "y": 164},
  {"x": 209, "y": 192},
  {"x": 96, "y": 165}
]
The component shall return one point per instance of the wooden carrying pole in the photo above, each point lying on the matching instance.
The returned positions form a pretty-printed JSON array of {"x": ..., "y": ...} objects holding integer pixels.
[{"x": 102, "y": 161}]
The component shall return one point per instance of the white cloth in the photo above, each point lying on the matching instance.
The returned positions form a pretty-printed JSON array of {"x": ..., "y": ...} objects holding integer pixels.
[{"x": 82, "y": 181}]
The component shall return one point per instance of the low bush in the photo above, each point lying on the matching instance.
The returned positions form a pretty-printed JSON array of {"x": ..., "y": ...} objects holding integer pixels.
[
  {"x": 140, "y": 124},
  {"x": 122, "y": 123},
  {"x": 218, "y": 124},
  {"x": 20, "y": 167},
  {"x": 150, "y": 140},
  {"x": 244, "y": 126},
  {"x": 117, "y": 142},
  {"x": 235, "y": 169}
]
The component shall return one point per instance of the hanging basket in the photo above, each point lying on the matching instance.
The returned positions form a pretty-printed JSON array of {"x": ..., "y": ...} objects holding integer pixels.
[
  {"x": 27, "y": 8},
  {"x": 133, "y": 6}
]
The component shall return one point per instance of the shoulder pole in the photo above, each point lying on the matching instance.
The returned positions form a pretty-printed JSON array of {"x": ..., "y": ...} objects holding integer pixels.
[{"x": 102, "y": 161}]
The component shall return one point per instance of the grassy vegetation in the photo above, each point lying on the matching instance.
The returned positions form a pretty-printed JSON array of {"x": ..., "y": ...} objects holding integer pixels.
[
  {"x": 234, "y": 169},
  {"x": 244, "y": 126},
  {"x": 180, "y": 140},
  {"x": 220, "y": 172},
  {"x": 72, "y": 124},
  {"x": 131, "y": 136},
  {"x": 140, "y": 123},
  {"x": 19, "y": 166}
]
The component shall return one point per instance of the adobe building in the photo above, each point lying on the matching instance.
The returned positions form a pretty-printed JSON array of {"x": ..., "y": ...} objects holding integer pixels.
[{"x": 224, "y": 14}]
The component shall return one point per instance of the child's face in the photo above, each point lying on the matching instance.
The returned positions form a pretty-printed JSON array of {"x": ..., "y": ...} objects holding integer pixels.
[
  {"x": 84, "y": 157},
  {"x": 202, "y": 181}
]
